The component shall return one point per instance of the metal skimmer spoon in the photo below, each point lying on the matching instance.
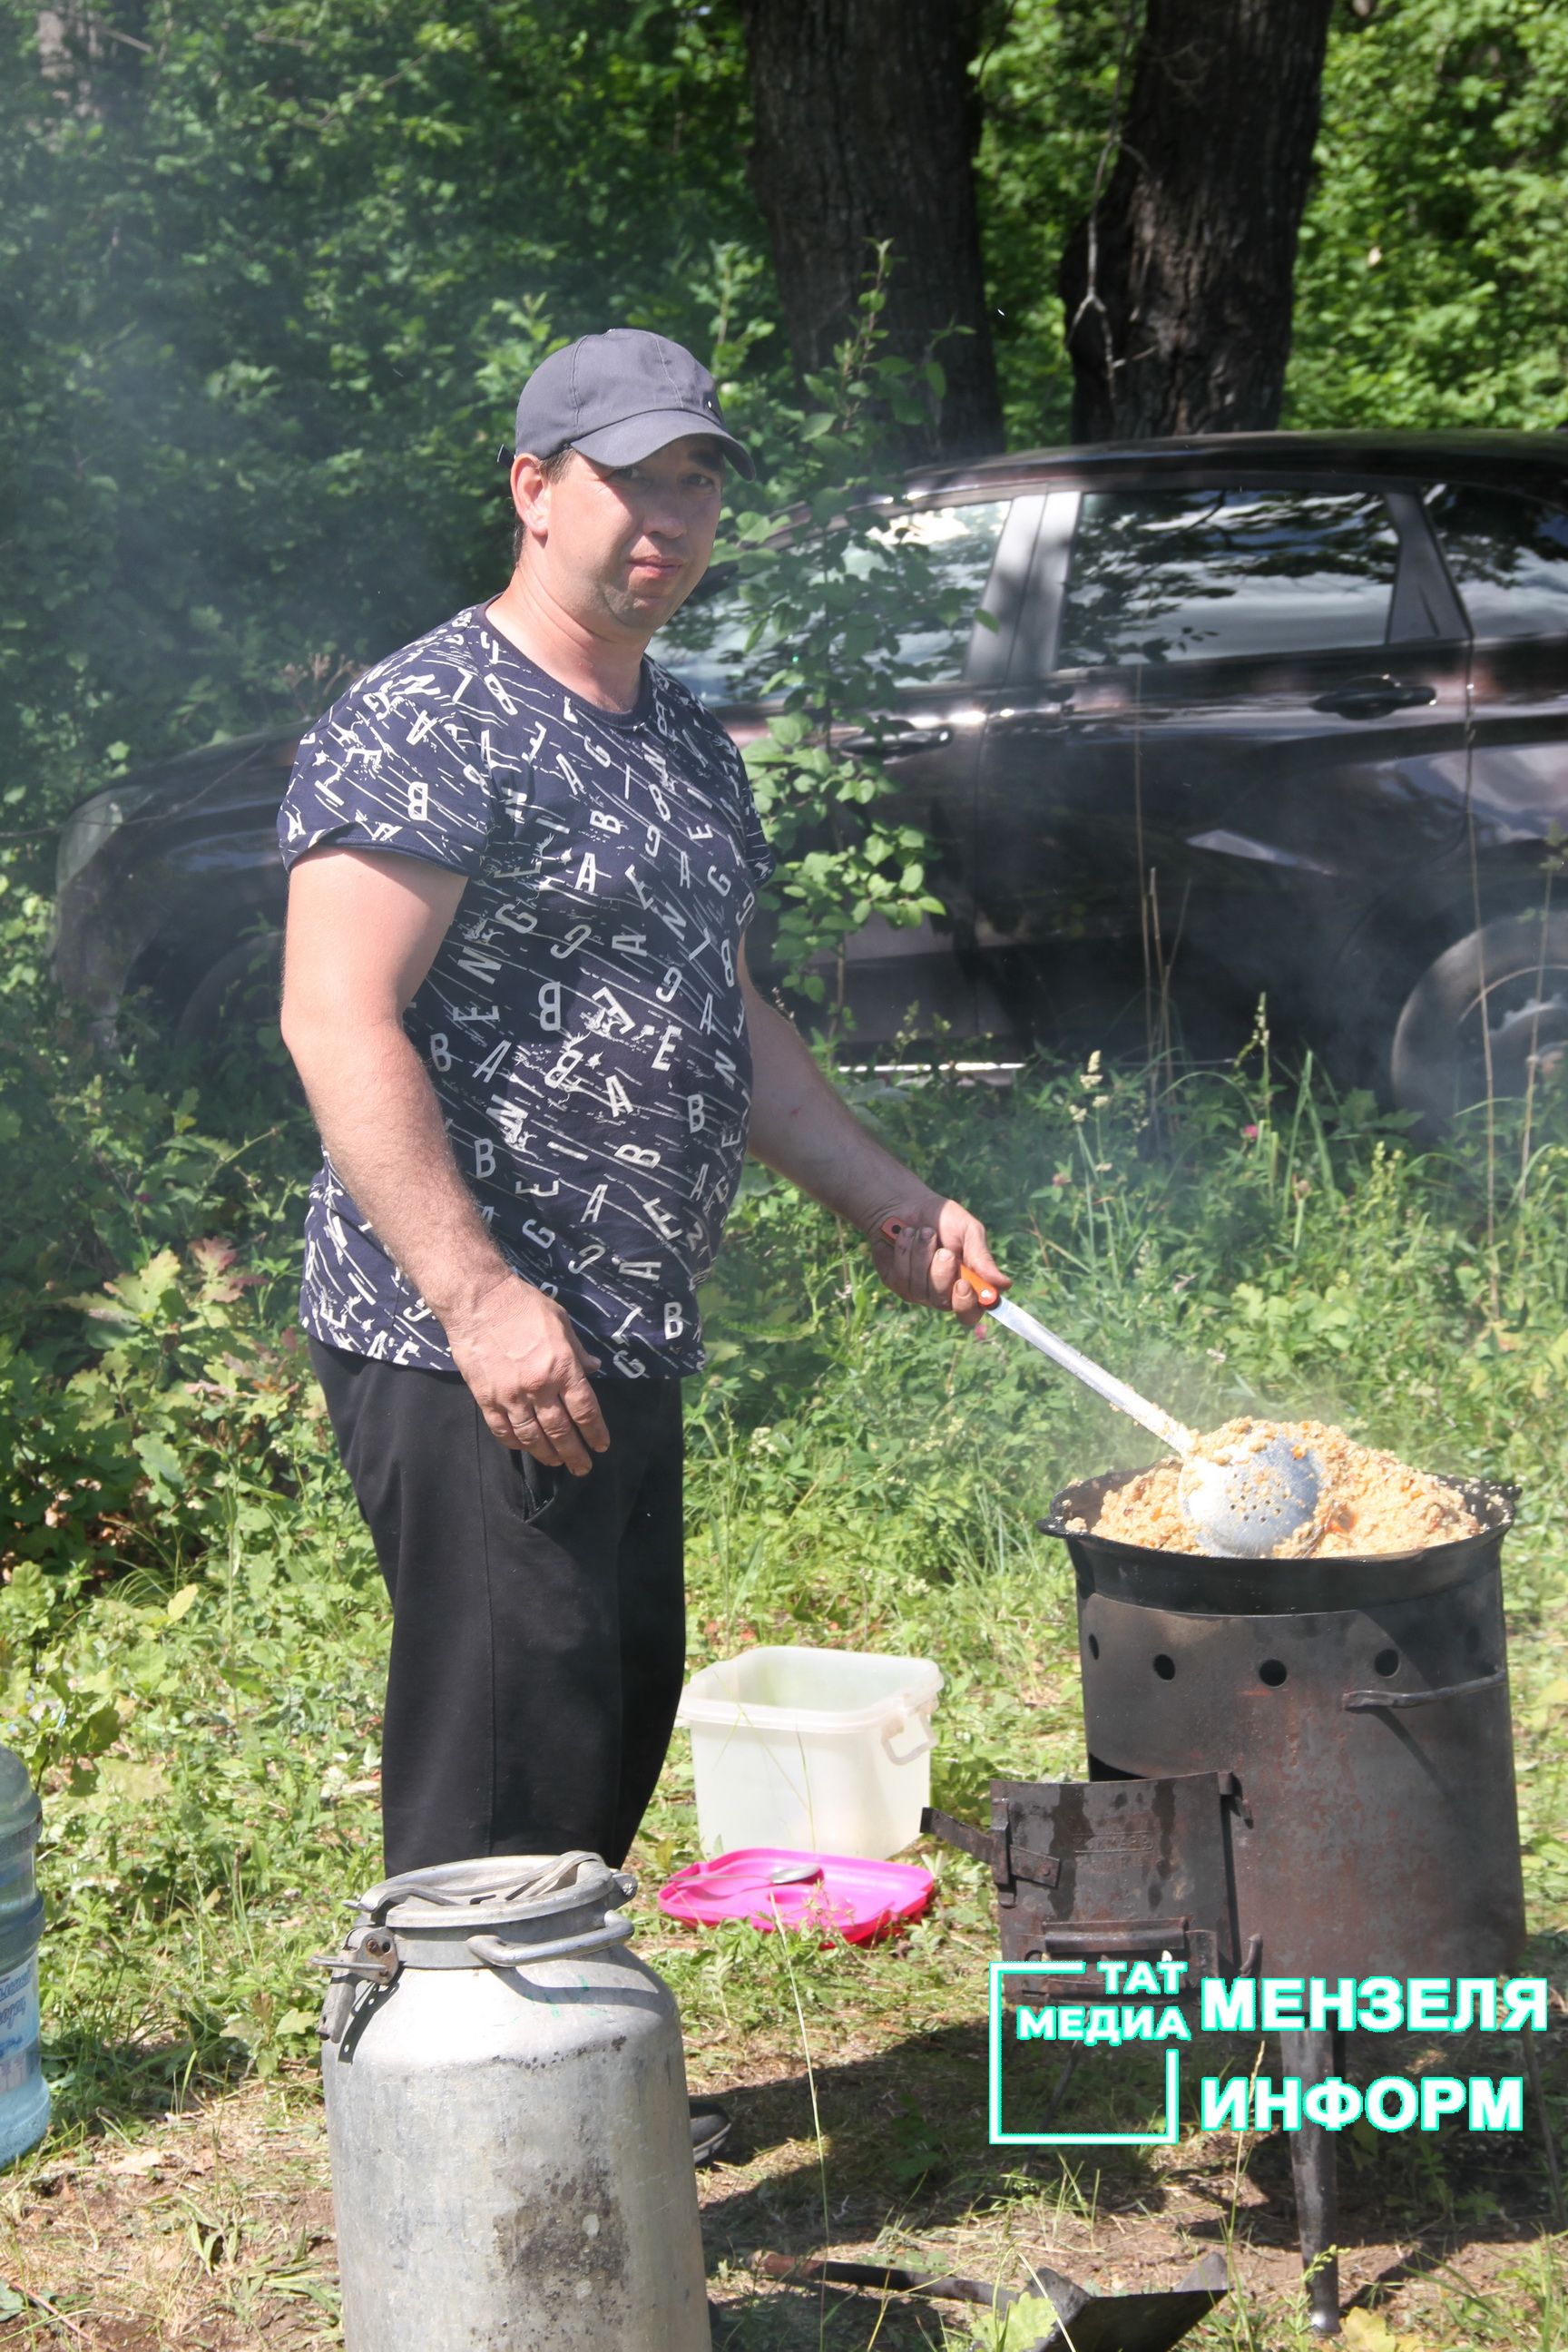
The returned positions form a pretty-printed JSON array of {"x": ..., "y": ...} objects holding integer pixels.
[{"x": 1242, "y": 1503}]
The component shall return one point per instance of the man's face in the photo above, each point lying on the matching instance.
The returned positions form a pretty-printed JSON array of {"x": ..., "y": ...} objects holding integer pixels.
[{"x": 623, "y": 546}]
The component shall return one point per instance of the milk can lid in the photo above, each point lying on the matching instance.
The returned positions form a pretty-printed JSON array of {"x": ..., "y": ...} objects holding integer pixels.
[{"x": 494, "y": 1889}]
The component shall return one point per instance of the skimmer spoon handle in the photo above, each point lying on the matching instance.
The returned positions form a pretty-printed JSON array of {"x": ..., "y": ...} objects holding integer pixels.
[
  {"x": 1163, "y": 1426},
  {"x": 1242, "y": 1503}
]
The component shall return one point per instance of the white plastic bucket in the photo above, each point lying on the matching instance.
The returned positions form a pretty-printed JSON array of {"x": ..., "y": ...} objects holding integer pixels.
[{"x": 827, "y": 1749}]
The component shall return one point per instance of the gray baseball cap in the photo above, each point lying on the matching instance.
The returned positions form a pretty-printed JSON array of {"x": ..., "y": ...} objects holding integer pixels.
[{"x": 619, "y": 397}]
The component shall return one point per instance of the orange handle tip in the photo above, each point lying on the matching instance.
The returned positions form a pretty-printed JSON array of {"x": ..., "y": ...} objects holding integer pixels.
[{"x": 986, "y": 1292}]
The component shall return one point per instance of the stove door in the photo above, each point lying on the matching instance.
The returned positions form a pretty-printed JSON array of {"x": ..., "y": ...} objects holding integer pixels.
[{"x": 1124, "y": 1870}]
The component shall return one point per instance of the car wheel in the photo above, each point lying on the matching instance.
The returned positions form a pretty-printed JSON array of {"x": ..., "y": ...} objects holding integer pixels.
[
  {"x": 1495, "y": 1003},
  {"x": 238, "y": 990}
]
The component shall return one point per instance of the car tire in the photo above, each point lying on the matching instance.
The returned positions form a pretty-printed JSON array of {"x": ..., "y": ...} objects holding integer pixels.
[
  {"x": 241, "y": 982},
  {"x": 1513, "y": 976}
]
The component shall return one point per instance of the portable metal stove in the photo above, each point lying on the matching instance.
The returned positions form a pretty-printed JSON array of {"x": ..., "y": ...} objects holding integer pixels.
[{"x": 1297, "y": 1768}]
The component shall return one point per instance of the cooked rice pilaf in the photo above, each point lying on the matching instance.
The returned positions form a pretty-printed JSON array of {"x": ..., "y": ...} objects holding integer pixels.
[{"x": 1368, "y": 1501}]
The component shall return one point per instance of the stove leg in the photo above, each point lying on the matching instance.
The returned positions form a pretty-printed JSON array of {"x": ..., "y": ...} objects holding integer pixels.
[
  {"x": 1312, "y": 2058},
  {"x": 1527, "y": 2043}
]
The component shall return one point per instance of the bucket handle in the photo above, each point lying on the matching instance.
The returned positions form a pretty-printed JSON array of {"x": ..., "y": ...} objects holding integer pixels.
[
  {"x": 921, "y": 1716},
  {"x": 495, "y": 1952}
]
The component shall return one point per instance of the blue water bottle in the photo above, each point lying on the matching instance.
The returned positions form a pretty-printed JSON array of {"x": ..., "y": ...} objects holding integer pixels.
[{"x": 24, "y": 2093}]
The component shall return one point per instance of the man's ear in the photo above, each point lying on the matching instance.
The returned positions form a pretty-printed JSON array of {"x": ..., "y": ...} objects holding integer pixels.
[{"x": 530, "y": 495}]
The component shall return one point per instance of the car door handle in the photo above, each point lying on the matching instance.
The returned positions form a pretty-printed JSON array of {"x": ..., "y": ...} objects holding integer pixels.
[
  {"x": 1374, "y": 697},
  {"x": 1032, "y": 723},
  {"x": 897, "y": 743}
]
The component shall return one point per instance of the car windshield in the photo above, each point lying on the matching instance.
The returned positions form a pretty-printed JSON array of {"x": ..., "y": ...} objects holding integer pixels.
[{"x": 920, "y": 574}]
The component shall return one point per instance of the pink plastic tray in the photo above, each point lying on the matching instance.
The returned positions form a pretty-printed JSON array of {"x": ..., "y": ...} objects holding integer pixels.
[{"x": 775, "y": 1886}]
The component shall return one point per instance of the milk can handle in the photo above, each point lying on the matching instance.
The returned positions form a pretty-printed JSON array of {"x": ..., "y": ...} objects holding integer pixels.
[
  {"x": 495, "y": 1952},
  {"x": 889, "y": 1730}
]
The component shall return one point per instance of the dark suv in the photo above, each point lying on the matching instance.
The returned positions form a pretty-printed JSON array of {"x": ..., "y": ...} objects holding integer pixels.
[{"x": 1289, "y": 708}]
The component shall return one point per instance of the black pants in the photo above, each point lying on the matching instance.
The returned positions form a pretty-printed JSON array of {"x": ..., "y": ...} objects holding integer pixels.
[{"x": 538, "y": 1620}]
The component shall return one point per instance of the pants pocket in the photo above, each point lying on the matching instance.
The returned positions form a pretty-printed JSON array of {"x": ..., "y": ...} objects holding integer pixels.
[{"x": 536, "y": 1486}]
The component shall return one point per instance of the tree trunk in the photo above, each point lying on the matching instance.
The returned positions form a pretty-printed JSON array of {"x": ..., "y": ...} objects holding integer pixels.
[
  {"x": 1178, "y": 285},
  {"x": 866, "y": 126}
]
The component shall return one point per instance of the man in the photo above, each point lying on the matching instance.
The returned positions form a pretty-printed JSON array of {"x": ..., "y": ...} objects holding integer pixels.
[{"x": 522, "y": 860}]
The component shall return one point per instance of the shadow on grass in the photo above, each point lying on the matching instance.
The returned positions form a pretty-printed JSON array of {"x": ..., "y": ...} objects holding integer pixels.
[
  {"x": 907, "y": 2147},
  {"x": 94, "y": 2082},
  {"x": 907, "y": 2131}
]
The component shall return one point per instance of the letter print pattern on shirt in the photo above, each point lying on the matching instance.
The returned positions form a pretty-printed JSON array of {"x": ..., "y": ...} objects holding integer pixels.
[{"x": 582, "y": 1023}]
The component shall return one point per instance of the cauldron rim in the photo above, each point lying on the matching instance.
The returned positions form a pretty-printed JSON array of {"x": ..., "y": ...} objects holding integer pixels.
[{"x": 1211, "y": 1585}]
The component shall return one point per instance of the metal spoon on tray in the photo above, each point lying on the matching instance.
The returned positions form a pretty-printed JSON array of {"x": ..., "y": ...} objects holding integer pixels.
[{"x": 1242, "y": 1503}]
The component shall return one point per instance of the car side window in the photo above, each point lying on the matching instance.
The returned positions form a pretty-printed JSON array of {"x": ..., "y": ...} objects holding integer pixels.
[
  {"x": 1196, "y": 576},
  {"x": 718, "y": 644},
  {"x": 1509, "y": 558},
  {"x": 923, "y": 572},
  {"x": 927, "y": 570}
]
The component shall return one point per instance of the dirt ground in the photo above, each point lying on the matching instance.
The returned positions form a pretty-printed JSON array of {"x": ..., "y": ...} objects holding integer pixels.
[
  {"x": 1413, "y": 2235},
  {"x": 213, "y": 2229}
]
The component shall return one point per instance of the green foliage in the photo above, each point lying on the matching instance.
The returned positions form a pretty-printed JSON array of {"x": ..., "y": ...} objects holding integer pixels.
[
  {"x": 1432, "y": 286},
  {"x": 835, "y": 599},
  {"x": 1048, "y": 91},
  {"x": 1024, "y": 2323},
  {"x": 828, "y": 602},
  {"x": 1432, "y": 278},
  {"x": 274, "y": 277},
  {"x": 149, "y": 1383}
]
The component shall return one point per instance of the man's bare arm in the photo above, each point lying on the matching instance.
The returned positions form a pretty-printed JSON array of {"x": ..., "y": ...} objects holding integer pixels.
[
  {"x": 805, "y": 1130},
  {"x": 363, "y": 930}
]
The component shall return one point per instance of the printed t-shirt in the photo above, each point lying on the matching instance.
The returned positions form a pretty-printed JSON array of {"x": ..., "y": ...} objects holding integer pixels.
[{"x": 582, "y": 1024}]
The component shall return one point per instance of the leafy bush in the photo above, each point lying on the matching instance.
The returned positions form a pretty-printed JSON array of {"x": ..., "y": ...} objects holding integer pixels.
[{"x": 275, "y": 277}]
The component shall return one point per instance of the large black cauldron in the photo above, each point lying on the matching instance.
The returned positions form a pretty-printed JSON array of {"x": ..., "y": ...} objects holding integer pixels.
[
  {"x": 1360, "y": 1710},
  {"x": 1296, "y": 1769}
]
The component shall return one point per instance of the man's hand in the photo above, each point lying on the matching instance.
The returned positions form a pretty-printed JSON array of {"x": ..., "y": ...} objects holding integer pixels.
[
  {"x": 528, "y": 1373},
  {"x": 935, "y": 1240}
]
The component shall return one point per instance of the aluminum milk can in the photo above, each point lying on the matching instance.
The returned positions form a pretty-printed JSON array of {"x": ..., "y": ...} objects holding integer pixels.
[{"x": 507, "y": 2118}]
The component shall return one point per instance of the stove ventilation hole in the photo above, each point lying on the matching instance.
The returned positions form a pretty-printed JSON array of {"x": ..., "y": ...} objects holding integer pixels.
[
  {"x": 1164, "y": 1667},
  {"x": 1385, "y": 1663},
  {"x": 1094, "y": 1645},
  {"x": 1273, "y": 1671}
]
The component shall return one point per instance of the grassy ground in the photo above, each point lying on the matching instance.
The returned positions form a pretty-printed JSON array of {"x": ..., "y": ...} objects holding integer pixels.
[{"x": 193, "y": 1658}]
